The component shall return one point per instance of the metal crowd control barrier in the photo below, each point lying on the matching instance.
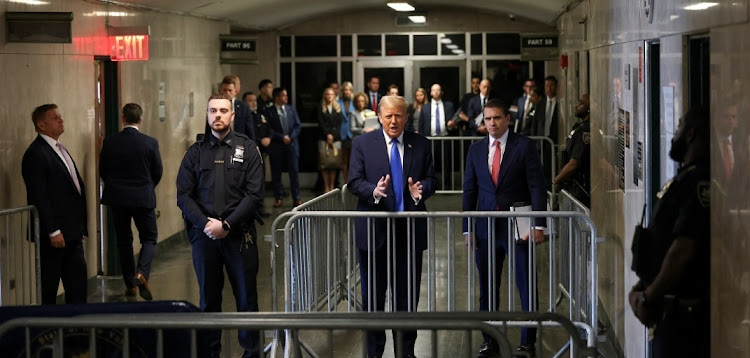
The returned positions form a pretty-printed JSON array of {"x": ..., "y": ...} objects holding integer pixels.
[
  {"x": 335, "y": 229},
  {"x": 20, "y": 281},
  {"x": 87, "y": 329},
  {"x": 449, "y": 156}
]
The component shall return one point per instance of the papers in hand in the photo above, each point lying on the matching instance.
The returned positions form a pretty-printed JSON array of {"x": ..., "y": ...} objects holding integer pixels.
[{"x": 521, "y": 225}]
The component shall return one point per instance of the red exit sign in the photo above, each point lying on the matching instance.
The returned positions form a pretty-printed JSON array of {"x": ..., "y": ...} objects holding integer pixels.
[{"x": 129, "y": 47}]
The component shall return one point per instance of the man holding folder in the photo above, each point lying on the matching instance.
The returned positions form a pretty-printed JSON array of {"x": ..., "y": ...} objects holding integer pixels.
[{"x": 503, "y": 171}]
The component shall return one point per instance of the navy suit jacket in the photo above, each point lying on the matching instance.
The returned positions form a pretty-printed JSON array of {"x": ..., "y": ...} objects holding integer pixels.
[
  {"x": 520, "y": 102},
  {"x": 130, "y": 166},
  {"x": 243, "y": 120},
  {"x": 521, "y": 180},
  {"x": 50, "y": 188},
  {"x": 425, "y": 119},
  {"x": 369, "y": 162},
  {"x": 540, "y": 120},
  {"x": 275, "y": 129}
]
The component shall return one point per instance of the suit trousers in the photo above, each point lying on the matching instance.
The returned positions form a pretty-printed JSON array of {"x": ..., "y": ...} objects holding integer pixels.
[
  {"x": 145, "y": 222},
  {"x": 280, "y": 154},
  {"x": 210, "y": 258},
  {"x": 375, "y": 282},
  {"x": 485, "y": 267},
  {"x": 67, "y": 263}
]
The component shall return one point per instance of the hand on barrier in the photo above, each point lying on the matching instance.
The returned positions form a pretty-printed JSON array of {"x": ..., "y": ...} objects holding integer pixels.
[
  {"x": 415, "y": 189},
  {"x": 469, "y": 240},
  {"x": 214, "y": 230},
  {"x": 57, "y": 241},
  {"x": 538, "y": 236},
  {"x": 381, "y": 187}
]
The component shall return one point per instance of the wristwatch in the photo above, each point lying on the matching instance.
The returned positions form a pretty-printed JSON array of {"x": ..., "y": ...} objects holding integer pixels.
[{"x": 225, "y": 225}]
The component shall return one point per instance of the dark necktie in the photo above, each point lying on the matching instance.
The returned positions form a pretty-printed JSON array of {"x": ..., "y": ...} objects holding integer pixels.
[
  {"x": 437, "y": 118},
  {"x": 727, "y": 154},
  {"x": 219, "y": 182},
  {"x": 397, "y": 177}
]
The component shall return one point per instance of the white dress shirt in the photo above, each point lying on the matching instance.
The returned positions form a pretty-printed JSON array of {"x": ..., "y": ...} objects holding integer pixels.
[
  {"x": 443, "y": 127},
  {"x": 53, "y": 143},
  {"x": 389, "y": 147},
  {"x": 503, "y": 141},
  {"x": 548, "y": 114}
]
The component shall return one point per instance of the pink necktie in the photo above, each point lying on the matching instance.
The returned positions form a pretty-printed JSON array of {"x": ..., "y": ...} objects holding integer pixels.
[
  {"x": 71, "y": 167},
  {"x": 496, "y": 163}
]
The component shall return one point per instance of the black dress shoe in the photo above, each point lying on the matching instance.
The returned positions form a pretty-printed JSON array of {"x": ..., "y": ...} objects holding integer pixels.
[
  {"x": 525, "y": 350},
  {"x": 488, "y": 350}
]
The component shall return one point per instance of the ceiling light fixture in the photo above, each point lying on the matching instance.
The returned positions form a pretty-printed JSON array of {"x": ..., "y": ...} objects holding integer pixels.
[
  {"x": 458, "y": 51},
  {"x": 452, "y": 46},
  {"x": 400, "y": 6},
  {"x": 419, "y": 19},
  {"x": 445, "y": 40},
  {"x": 29, "y": 2},
  {"x": 108, "y": 13},
  {"x": 701, "y": 6}
]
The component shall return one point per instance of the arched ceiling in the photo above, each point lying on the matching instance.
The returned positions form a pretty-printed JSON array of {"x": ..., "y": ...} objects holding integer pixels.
[{"x": 276, "y": 14}]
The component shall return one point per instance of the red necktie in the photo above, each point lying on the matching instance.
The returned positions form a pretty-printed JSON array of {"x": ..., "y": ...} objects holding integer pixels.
[
  {"x": 496, "y": 162},
  {"x": 374, "y": 102},
  {"x": 727, "y": 153}
]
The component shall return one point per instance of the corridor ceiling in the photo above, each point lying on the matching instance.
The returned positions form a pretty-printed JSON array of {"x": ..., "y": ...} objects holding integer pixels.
[{"x": 276, "y": 14}]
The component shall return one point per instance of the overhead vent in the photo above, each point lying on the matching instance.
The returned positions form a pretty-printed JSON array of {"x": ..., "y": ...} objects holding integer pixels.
[
  {"x": 39, "y": 27},
  {"x": 411, "y": 19}
]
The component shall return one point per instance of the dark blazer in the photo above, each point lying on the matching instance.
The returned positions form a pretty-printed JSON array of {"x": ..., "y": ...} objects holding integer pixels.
[
  {"x": 540, "y": 120},
  {"x": 243, "y": 120},
  {"x": 330, "y": 123},
  {"x": 521, "y": 180},
  {"x": 369, "y": 99},
  {"x": 475, "y": 109},
  {"x": 50, "y": 188},
  {"x": 425, "y": 119},
  {"x": 369, "y": 162},
  {"x": 130, "y": 166},
  {"x": 275, "y": 129}
]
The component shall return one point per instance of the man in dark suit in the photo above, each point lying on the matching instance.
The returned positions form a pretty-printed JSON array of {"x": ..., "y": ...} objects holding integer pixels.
[
  {"x": 475, "y": 117},
  {"x": 463, "y": 105},
  {"x": 284, "y": 128},
  {"x": 546, "y": 117},
  {"x": 514, "y": 178},
  {"x": 243, "y": 119},
  {"x": 373, "y": 93},
  {"x": 524, "y": 104},
  {"x": 130, "y": 166},
  {"x": 383, "y": 180},
  {"x": 436, "y": 121},
  {"x": 55, "y": 188}
]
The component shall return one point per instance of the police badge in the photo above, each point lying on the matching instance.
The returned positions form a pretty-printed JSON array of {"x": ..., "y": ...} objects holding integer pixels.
[
  {"x": 586, "y": 137},
  {"x": 239, "y": 154}
]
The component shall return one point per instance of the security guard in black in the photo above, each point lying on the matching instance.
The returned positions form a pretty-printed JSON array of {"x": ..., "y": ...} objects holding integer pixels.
[
  {"x": 675, "y": 301},
  {"x": 575, "y": 176},
  {"x": 219, "y": 190}
]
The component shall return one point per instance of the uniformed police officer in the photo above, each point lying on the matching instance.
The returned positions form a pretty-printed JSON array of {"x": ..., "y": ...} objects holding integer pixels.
[
  {"x": 673, "y": 262},
  {"x": 575, "y": 175},
  {"x": 219, "y": 188}
]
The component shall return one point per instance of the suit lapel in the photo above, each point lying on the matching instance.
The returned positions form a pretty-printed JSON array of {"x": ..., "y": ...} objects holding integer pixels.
[
  {"x": 482, "y": 166},
  {"x": 511, "y": 151},
  {"x": 408, "y": 153},
  {"x": 56, "y": 158}
]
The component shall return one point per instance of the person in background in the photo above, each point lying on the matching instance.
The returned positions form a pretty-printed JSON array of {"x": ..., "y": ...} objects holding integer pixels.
[
  {"x": 346, "y": 102},
  {"x": 55, "y": 188},
  {"x": 335, "y": 87},
  {"x": 415, "y": 110},
  {"x": 575, "y": 176},
  {"x": 524, "y": 104},
  {"x": 329, "y": 120},
  {"x": 130, "y": 167},
  {"x": 362, "y": 120},
  {"x": 535, "y": 97},
  {"x": 265, "y": 100},
  {"x": 476, "y": 106},
  {"x": 391, "y": 170},
  {"x": 219, "y": 189},
  {"x": 373, "y": 93},
  {"x": 284, "y": 127},
  {"x": 243, "y": 119},
  {"x": 392, "y": 90},
  {"x": 261, "y": 131},
  {"x": 463, "y": 105}
]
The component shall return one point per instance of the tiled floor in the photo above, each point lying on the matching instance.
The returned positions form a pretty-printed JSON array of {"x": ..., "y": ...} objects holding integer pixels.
[{"x": 173, "y": 278}]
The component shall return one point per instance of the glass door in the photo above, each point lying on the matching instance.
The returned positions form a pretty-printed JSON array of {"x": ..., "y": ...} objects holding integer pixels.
[{"x": 389, "y": 72}]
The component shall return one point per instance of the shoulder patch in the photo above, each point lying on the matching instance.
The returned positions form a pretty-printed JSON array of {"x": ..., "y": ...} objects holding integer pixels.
[
  {"x": 704, "y": 193},
  {"x": 586, "y": 137},
  {"x": 262, "y": 118}
]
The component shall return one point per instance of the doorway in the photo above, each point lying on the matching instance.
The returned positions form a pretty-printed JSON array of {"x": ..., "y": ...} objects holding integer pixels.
[
  {"x": 107, "y": 122},
  {"x": 389, "y": 72},
  {"x": 699, "y": 90}
]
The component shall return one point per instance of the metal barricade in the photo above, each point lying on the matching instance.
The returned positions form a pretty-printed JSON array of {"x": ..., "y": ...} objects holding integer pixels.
[
  {"x": 20, "y": 281},
  {"x": 443, "y": 264},
  {"x": 91, "y": 330},
  {"x": 449, "y": 157},
  {"x": 569, "y": 268}
]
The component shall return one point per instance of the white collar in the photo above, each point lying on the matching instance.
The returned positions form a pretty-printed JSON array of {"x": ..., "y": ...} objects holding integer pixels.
[
  {"x": 49, "y": 140},
  {"x": 503, "y": 139},
  {"x": 131, "y": 126},
  {"x": 388, "y": 139}
]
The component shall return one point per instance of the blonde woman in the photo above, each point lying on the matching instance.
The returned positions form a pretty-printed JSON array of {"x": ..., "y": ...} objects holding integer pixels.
[
  {"x": 362, "y": 120},
  {"x": 346, "y": 101},
  {"x": 329, "y": 147},
  {"x": 420, "y": 98}
]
